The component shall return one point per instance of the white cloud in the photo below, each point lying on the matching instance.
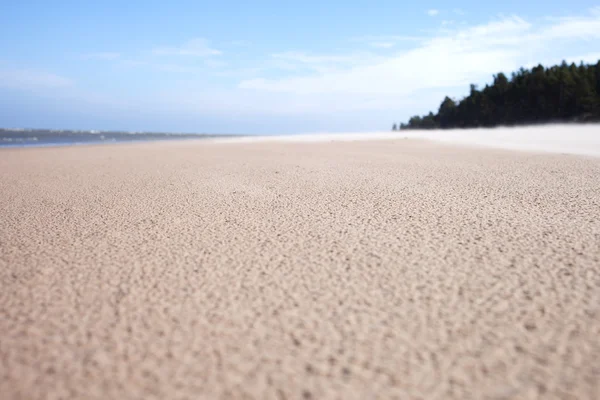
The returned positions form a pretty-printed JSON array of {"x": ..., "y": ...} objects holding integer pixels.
[
  {"x": 306, "y": 58},
  {"x": 590, "y": 58},
  {"x": 447, "y": 60},
  {"x": 383, "y": 45},
  {"x": 210, "y": 63},
  {"x": 101, "y": 56},
  {"x": 433, "y": 12},
  {"x": 31, "y": 79},
  {"x": 385, "y": 41},
  {"x": 191, "y": 49},
  {"x": 574, "y": 28},
  {"x": 176, "y": 68},
  {"x": 198, "y": 47},
  {"x": 440, "y": 62},
  {"x": 179, "y": 68},
  {"x": 295, "y": 61},
  {"x": 387, "y": 38},
  {"x": 458, "y": 11}
]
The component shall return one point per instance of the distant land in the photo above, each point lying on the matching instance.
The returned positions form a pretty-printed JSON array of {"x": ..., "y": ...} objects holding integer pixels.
[
  {"x": 558, "y": 94},
  {"x": 22, "y": 137}
]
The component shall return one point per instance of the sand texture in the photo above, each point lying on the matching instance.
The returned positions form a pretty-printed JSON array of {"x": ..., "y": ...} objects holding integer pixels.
[{"x": 360, "y": 270}]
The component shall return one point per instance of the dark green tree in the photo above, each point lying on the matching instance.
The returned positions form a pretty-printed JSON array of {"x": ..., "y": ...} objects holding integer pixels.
[
  {"x": 561, "y": 93},
  {"x": 446, "y": 113}
]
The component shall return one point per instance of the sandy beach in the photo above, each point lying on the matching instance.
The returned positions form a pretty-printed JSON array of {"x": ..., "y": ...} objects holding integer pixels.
[{"x": 391, "y": 269}]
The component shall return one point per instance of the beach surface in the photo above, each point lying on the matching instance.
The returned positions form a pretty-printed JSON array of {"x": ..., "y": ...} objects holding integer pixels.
[{"x": 390, "y": 269}]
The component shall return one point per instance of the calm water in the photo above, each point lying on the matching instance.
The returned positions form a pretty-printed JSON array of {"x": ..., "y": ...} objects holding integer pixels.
[{"x": 20, "y": 138}]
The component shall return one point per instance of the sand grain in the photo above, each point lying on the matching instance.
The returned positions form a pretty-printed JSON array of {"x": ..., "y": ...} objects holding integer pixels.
[{"x": 393, "y": 269}]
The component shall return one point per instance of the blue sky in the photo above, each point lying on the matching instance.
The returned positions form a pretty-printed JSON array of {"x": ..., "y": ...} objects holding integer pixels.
[{"x": 268, "y": 66}]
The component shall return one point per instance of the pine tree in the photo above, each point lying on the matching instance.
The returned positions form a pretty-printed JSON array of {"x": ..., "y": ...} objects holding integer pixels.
[
  {"x": 447, "y": 113},
  {"x": 560, "y": 93}
]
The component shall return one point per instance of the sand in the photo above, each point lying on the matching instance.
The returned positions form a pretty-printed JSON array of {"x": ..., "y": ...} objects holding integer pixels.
[
  {"x": 583, "y": 139},
  {"x": 349, "y": 270}
]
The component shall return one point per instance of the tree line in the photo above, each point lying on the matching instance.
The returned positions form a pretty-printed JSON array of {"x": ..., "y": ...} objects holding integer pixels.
[{"x": 561, "y": 93}]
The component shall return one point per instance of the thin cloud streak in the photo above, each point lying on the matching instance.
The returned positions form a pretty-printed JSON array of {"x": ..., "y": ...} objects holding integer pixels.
[
  {"x": 198, "y": 47},
  {"x": 448, "y": 60},
  {"x": 32, "y": 79},
  {"x": 383, "y": 45},
  {"x": 101, "y": 56}
]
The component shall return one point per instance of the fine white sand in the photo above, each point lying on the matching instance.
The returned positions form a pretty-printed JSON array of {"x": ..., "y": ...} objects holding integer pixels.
[
  {"x": 568, "y": 139},
  {"x": 402, "y": 269}
]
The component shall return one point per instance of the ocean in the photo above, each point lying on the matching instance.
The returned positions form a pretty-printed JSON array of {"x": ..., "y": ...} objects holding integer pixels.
[{"x": 44, "y": 137}]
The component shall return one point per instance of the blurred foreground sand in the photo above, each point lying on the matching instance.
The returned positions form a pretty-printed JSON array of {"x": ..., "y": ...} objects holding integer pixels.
[{"x": 359, "y": 270}]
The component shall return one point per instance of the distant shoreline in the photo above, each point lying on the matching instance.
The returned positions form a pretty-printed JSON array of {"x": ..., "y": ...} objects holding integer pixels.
[
  {"x": 50, "y": 138},
  {"x": 580, "y": 139}
]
